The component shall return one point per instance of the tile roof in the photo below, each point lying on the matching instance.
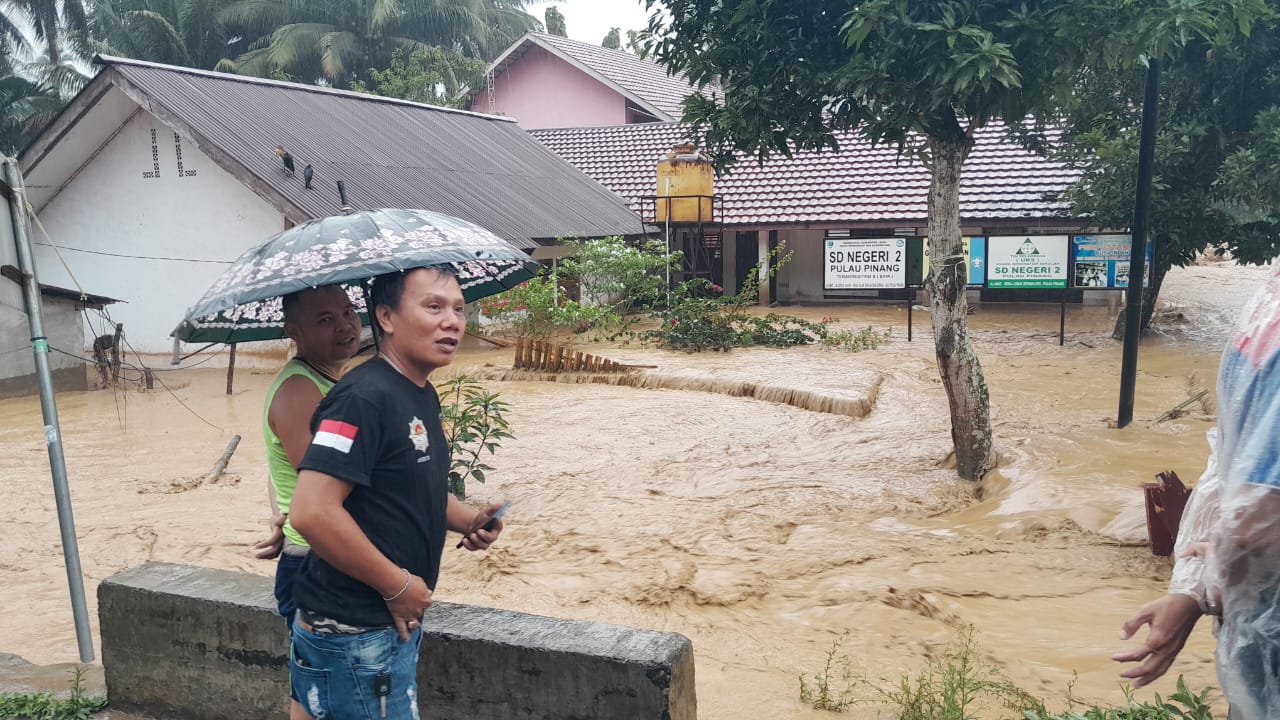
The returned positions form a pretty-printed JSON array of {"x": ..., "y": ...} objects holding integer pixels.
[
  {"x": 645, "y": 82},
  {"x": 860, "y": 183},
  {"x": 390, "y": 153}
]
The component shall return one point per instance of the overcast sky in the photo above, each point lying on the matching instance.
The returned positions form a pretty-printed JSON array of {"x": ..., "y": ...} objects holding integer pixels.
[{"x": 590, "y": 20}]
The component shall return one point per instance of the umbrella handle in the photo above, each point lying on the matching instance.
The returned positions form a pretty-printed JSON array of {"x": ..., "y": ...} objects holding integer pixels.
[{"x": 368, "y": 311}]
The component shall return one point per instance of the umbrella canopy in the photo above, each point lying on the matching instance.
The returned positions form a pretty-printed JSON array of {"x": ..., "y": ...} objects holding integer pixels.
[{"x": 244, "y": 303}]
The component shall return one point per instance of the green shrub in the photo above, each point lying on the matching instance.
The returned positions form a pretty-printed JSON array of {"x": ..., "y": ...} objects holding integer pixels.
[
  {"x": 867, "y": 338},
  {"x": 474, "y": 423},
  {"x": 45, "y": 706}
]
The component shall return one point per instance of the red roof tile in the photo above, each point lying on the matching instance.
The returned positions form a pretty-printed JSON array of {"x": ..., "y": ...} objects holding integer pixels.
[{"x": 859, "y": 183}]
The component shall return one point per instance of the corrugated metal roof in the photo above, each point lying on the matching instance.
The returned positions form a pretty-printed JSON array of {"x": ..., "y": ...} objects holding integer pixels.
[
  {"x": 645, "y": 82},
  {"x": 390, "y": 153},
  {"x": 859, "y": 183}
]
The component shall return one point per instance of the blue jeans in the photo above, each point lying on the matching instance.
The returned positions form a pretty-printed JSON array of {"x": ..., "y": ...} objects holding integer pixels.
[{"x": 332, "y": 674}]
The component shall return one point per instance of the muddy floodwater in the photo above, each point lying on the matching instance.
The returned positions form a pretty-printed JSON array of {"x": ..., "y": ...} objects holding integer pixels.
[{"x": 764, "y": 503}]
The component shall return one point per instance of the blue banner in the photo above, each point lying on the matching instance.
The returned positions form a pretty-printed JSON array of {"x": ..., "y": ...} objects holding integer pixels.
[{"x": 1102, "y": 261}]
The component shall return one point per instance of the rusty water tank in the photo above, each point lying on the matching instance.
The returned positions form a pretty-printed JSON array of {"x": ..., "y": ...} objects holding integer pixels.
[{"x": 685, "y": 185}]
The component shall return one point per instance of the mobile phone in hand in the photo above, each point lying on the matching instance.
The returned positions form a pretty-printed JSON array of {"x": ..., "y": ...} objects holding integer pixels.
[{"x": 489, "y": 523}]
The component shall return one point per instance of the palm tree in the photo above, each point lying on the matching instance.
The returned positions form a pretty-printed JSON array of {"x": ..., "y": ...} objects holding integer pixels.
[
  {"x": 26, "y": 107},
  {"x": 49, "y": 20},
  {"x": 337, "y": 41},
  {"x": 175, "y": 32}
]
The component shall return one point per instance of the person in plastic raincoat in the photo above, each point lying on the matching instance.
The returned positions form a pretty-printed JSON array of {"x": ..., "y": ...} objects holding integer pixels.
[{"x": 1228, "y": 550}]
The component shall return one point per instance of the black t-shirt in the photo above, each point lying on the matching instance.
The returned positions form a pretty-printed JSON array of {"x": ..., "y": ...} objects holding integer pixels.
[{"x": 381, "y": 433}]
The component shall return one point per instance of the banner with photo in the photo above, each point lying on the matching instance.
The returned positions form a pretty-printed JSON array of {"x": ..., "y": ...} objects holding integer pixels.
[
  {"x": 1102, "y": 261},
  {"x": 1027, "y": 261}
]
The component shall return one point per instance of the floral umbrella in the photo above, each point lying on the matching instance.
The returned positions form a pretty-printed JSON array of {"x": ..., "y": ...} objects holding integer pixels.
[{"x": 244, "y": 303}]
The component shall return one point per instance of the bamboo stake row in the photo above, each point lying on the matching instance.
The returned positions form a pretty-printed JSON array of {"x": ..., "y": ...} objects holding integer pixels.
[{"x": 548, "y": 357}]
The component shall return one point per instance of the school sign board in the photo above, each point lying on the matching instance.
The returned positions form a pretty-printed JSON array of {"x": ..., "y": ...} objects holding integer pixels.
[
  {"x": 975, "y": 259},
  {"x": 865, "y": 263},
  {"x": 1102, "y": 261},
  {"x": 1027, "y": 261}
]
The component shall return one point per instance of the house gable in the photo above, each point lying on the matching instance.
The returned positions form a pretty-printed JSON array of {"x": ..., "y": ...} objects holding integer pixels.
[
  {"x": 542, "y": 90},
  {"x": 148, "y": 216}
]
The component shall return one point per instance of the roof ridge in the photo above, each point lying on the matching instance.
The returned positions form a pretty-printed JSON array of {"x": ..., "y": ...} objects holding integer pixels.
[{"x": 111, "y": 60}]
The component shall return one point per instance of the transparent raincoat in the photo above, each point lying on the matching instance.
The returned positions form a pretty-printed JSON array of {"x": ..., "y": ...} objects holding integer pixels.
[{"x": 1236, "y": 509}]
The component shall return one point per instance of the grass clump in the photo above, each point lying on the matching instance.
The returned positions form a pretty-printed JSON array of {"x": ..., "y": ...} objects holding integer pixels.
[
  {"x": 47, "y": 706},
  {"x": 961, "y": 684},
  {"x": 867, "y": 338}
]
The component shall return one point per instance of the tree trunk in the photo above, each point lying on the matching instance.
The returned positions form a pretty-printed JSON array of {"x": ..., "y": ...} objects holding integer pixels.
[
  {"x": 1150, "y": 294},
  {"x": 957, "y": 363}
]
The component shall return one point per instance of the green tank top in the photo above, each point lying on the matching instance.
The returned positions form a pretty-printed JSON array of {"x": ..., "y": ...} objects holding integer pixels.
[{"x": 284, "y": 478}]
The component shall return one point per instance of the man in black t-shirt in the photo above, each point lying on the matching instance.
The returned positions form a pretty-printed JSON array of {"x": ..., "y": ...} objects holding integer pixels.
[{"x": 373, "y": 502}]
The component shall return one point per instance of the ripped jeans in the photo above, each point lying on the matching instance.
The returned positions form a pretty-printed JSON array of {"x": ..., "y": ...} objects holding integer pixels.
[{"x": 334, "y": 675}]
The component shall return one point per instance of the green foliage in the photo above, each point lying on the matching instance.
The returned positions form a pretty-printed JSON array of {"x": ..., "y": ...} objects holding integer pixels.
[
  {"x": 833, "y": 688},
  {"x": 867, "y": 338},
  {"x": 555, "y": 22},
  {"x": 1182, "y": 705},
  {"x": 25, "y": 108},
  {"x": 610, "y": 276},
  {"x": 1217, "y": 187},
  {"x": 961, "y": 684},
  {"x": 337, "y": 41},
  {"x": 45, "y": 706},
  {"x": 425, "y": 74},
  {"x": 612, "y": 40},
  {"x": 474, "y": 424},
  {"x": 186, "y": 32},
  {"x": 699, "y": 317}
]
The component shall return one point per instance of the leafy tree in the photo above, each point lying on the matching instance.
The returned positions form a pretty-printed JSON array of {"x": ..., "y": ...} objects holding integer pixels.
[
  {"x": 924, "y": 76},
  {"x": 613, "y": 40},
  {"x": 1217, "y": 188},
  {"x": 636, "y": 41},
  {"x": 427, "y": 75},
  {"x": 555, "y": 22},
  {"x": 186, "y": 32}
]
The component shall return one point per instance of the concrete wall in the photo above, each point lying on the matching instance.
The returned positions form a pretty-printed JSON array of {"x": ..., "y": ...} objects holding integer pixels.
[
  {"x": 117, "y": 206},
  {"x": 63, "y": 325},
  {"x": 189, "y": 642},
  {"x": 542, "y": 91},
  {"x": 801, "y": 279}
]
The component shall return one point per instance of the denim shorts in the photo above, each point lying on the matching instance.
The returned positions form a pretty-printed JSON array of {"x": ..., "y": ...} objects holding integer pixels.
[{"x": 332, "y": 674}]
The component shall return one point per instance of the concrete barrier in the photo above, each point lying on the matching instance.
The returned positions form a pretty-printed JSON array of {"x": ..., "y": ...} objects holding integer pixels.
[{"x": 191, "y": 642}]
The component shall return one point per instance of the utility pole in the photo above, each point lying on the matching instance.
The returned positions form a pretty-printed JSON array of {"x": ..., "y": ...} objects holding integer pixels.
[
  {"x": 52, "y": 432},
  {"x": 1138, "y": 251}
]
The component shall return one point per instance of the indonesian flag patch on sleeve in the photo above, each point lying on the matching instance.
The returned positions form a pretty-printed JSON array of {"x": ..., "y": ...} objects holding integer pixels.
[{"x": 335, "y": 434}]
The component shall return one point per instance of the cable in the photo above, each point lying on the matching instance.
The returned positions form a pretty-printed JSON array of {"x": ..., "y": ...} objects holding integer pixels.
[
  {"x": 136, "y": 257},
  {"x": 157, "y": 379},
  {"x": 24, "y": 347}
]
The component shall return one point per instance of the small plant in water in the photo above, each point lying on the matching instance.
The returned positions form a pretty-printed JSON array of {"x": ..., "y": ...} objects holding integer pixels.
[
  {"x": 867, "y": 338},
  {"x": 45, "y": 706},
  {"x": 474, "y": 423},
  {"x": 833, "y": 688}
]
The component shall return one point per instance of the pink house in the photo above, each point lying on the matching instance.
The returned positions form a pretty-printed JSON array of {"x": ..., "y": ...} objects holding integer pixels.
[{"x": 548, "y": 81}]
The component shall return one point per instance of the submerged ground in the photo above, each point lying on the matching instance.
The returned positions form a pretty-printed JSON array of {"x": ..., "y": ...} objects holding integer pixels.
[{"x": 763, "y": 529}]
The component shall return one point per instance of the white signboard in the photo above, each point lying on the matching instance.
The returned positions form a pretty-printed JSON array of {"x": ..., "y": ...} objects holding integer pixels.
[
  {"x": 1027, "y": 261},
  {"x": 865, "y": 264}
]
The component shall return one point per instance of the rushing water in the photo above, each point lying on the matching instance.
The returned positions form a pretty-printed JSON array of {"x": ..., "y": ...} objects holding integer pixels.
[{"x": 765, "y": 503}]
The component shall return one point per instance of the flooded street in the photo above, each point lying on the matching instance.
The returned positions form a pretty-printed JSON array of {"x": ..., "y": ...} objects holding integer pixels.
[{"x": 678, "y": 499}]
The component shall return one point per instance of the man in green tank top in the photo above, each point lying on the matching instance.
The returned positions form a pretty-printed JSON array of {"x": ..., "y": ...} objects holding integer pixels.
[{"x": 324, "y": 325}]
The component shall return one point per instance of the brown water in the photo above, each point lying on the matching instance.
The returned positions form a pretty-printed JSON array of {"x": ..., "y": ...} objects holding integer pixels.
[{"x": 762, "y": 530}]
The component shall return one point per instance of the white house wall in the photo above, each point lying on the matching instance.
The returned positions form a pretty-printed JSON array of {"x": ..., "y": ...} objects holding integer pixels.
[{"x": 132, "y": 228}]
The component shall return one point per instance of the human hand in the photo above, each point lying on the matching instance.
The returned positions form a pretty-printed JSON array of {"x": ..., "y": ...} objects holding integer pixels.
[
  {"x": 485, "y": 531},
  {"x": 408, "y": 607},
  {"x": 1171, "y": 619},
  {"x": 270, "y": 546}
]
